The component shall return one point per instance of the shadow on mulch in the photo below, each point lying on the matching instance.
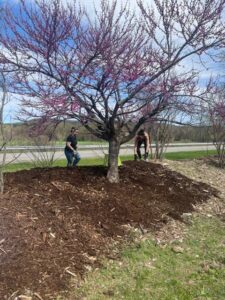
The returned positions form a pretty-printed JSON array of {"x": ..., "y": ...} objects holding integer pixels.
[{"x": 58, "y": 222}]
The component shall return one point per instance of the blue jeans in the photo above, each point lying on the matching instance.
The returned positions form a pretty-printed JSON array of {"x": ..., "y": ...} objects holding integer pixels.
[{"x": 72, "y": 159}]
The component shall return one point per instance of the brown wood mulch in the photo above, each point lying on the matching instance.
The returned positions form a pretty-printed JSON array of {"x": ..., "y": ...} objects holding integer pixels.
[{"x": 57, "y": 223}]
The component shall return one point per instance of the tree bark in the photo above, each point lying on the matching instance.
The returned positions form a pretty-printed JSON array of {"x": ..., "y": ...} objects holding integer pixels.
[
  {"x": 113, "y": 172},
  {"x": 1, "y": 181}
]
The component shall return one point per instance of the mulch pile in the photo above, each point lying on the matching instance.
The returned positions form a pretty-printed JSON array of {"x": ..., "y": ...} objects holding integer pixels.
[{"x": 56, "y": 223}]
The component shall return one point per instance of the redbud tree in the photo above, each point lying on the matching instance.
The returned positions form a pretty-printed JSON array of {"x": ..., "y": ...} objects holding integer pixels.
[{"x": 105, "y": 66}]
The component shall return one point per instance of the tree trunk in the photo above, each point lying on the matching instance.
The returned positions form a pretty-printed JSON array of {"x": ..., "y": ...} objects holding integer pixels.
[
  {"x": 2, "y": 164},
  {"x": 113, "y": 173},
  {"x": 1, "y": 181}
]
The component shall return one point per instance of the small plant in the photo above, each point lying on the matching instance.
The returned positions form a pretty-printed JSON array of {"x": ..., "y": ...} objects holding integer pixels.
[
  {"x": 5, "y": 137},
  {"x": 44, "y": 154}
]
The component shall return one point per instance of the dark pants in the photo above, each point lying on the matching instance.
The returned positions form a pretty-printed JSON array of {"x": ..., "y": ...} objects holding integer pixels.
[
  {"x": 72, "y": 159},
  {"x": 139, "y": 152}
]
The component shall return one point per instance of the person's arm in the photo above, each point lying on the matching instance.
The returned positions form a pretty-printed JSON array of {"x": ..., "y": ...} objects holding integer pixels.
[
  {"x": 135, "y": 148},
  {"x": 135, "y": 145},
  {"x": 68, "y": 144},
  {"x": 147, "y": 142},
  {"x": 150, "y": 144}
]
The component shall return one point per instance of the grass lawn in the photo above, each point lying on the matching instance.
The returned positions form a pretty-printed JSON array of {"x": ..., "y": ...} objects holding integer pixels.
[
  {"x": 189, "y": 154},
  {"x": 148, "y": 271},
  {"x": 57, "y": 163}
]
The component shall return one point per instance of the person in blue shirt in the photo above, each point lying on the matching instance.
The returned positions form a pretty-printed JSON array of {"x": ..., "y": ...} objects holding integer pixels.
[{"x": 72, "y": 156}]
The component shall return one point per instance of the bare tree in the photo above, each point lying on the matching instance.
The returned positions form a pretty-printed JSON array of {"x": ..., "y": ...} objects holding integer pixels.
[
  {"x": 161, "y": 132},
  {"x": 3, "y": 137},
  {"x": 214, "y": 116},
  {"x": 44, "y": 153}
]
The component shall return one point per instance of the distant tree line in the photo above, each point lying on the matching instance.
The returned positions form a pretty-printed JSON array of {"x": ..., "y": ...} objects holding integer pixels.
[
  {"x": 22, "y": 134},
  {"x": 191, "y": 134}
]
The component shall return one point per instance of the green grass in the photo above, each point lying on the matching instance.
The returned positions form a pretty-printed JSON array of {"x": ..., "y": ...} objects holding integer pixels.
[
  {"x": 148, "y": 271},
  {"x": 180, "y": 155},
  {"x": 100, "y": 161},
  {"x": 57, "y": 163},
  {"x": 189, "y": 154}
]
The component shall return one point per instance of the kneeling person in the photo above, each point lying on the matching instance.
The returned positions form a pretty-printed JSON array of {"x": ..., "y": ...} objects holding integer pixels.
[{"x": 141, "y": 138}]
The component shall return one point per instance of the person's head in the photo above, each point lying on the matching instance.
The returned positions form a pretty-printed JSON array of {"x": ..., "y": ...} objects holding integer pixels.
[
  {"x": 141, "y": 132},
  {"x": 74, "y": 130}
]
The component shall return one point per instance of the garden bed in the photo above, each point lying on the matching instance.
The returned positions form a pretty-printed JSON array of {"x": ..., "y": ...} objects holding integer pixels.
[{"x": 58, "y": 223}]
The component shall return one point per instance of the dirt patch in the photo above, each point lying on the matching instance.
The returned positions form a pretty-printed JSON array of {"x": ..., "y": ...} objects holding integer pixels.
[{"x": 57, "y": 223}]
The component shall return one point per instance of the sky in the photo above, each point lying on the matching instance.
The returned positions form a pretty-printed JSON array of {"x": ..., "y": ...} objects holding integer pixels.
[
  {"x": 88, "y": 3},
  {"x": 210, "y": 68},
  {"x": 12, "y": 108}
]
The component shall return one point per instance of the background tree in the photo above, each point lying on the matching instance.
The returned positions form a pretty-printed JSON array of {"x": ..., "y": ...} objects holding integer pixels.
[
  {"x": 214, "y": 116},
  {"x": 5, "y": 137},
  {"x": 161, "y": 133},
  {"x": 103, "y": 68}
]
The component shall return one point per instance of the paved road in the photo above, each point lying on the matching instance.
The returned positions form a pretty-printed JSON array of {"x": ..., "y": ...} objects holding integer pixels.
[
  {"x": 96, "y": 146},
  {"x": 93, "y": 151}
]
